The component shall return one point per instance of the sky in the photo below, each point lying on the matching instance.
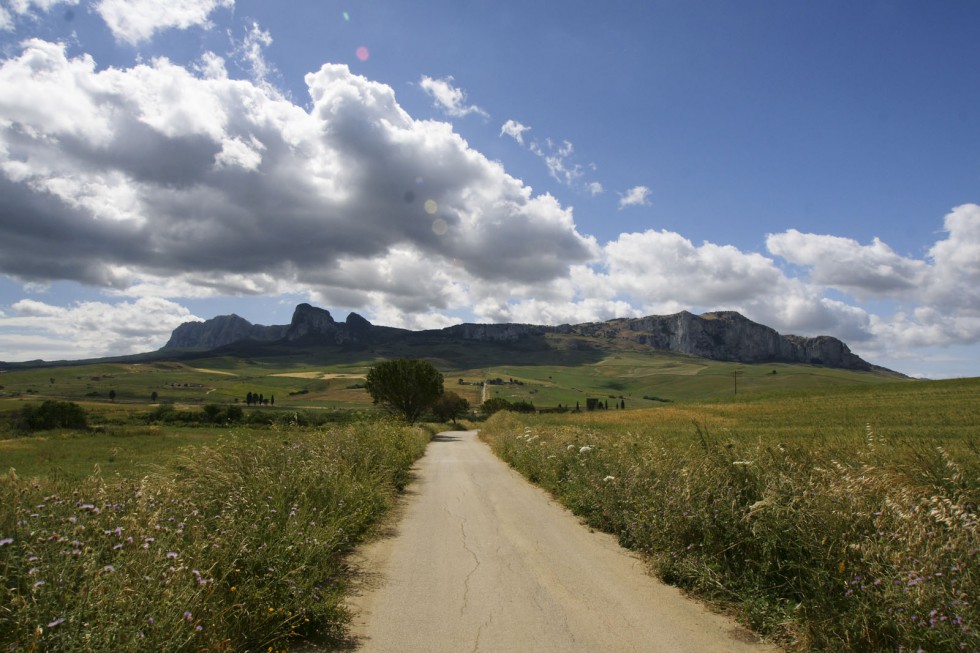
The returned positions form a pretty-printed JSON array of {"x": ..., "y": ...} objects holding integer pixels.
[{"x": 812, "y": 165}]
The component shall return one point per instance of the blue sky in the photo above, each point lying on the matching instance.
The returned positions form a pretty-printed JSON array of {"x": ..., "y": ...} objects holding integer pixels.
[{"x": 813, "y": 165}]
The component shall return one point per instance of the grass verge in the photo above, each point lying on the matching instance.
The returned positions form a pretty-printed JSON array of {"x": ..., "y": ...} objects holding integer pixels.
[
  {"x": 824, "y": 542},
  {"x": 239, "y": 547}
]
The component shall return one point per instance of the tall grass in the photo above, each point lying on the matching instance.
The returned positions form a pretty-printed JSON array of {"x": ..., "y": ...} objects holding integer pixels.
[
  {"x": 240, "y": 549},
  {"x": 835, "y": 544}
]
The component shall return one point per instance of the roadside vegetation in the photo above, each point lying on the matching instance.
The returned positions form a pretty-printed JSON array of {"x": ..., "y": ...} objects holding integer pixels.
[
  {"x": 233, "y": 539},
  {"x": 836, "y": 520}
]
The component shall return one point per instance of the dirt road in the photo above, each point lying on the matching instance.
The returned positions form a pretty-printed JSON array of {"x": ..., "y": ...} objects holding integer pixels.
[{"x": 483, "y": 561}]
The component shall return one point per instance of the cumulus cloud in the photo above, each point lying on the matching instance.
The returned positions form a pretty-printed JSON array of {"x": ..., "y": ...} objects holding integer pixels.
[
  {"x": 135, "y": 21},
  {"x": 636, "y": 196},
  {"x": 448, "y": 98},
  {"x": 515, "y": 130},
  {"x": 88, "y": 329},
  {"x": 843, "y": 263},
  {"x": 166, "y": 178}
]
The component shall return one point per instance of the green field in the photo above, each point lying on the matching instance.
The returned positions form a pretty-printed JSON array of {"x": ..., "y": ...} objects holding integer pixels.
[{"x": 640, "y": 379}]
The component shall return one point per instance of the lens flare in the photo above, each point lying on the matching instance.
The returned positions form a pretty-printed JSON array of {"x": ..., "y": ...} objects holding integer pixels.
[
  {"x": 439, "y": 227},
  {"x": 346, "y": 16},
  {"x": 431, "y": 207},
  {"x": 363, "y": 53}
]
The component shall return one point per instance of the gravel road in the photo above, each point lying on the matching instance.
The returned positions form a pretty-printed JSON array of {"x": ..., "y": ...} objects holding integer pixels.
[{"x": 481, "y": 560}]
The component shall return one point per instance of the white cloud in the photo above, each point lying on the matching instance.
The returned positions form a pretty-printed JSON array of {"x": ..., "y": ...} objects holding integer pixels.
[
  {"x": 515, "y": 130},
  {"x": 843, "y": 263},
  {"x": 636, "y": 196},
  {"x": 134, "y": 21},
  {"x": 450, "y": 99},
  {"x": 88, "y": 329},
  {"x": 162, "y": 179},
  {"x": 595, "y": 188},
  {"x": 251, "y": 52}
]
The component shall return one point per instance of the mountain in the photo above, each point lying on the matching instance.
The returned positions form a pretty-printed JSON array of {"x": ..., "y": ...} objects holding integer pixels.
[{"x": 724, "y": 336}]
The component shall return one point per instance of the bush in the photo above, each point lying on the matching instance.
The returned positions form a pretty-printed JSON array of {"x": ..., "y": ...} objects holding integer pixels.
[{"x": 51, "y": 415}]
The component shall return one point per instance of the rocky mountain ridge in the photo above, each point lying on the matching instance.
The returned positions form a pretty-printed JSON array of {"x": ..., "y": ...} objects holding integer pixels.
[{"x": 724, "y": 336}]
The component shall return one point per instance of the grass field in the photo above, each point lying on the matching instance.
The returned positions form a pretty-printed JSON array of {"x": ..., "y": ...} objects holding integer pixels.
[
  {"x": 193, "y": 539},
  {"x": 841, "y": 518},
  {"x": 641, "y": 379}
]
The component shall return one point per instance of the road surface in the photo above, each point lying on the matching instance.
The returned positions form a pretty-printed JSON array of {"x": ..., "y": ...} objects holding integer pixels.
[{"x": 481, "y": 560}]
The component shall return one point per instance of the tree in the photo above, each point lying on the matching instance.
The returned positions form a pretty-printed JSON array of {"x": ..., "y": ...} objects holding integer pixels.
[
  {"x": 405, "y": 386},
  {"x": 52, "y": 415},
  {"x": 154, "y": 396},
  {"x": 494, "y": 404},
  {"x": 112, "y": 395},
  {"x": 450, "y": 406}
]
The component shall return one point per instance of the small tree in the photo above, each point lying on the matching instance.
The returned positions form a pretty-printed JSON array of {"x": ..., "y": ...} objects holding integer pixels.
[
  {"x": 450, "y": 406},
  {"x": 494, "y": 404},
  {"x": 405, "y": 386}
]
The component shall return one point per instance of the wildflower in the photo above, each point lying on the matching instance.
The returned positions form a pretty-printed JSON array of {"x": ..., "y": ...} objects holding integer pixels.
[
  {"x": 188, "y": 616},
  {"x": 56, "y": 622},
  {"x": 37, "y": 584},
  {"x": 585, "y": 449},
  {"x": 171, "y": 554},
  {"x": 609, "y": 478},
  {"x": 570, "y": 447},
  {"x": 109, "y": 569},
  {"x": 7, "y": 540}
]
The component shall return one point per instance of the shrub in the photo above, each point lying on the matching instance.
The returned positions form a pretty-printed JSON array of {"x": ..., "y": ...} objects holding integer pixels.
[{"x": 51, "y": 415}]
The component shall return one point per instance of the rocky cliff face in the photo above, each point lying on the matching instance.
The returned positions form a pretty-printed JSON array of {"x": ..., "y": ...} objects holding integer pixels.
[
  {"x": 308, "y": 324},
  {"x": 494, "y": 332},
  {"x": 220, "y": 331},
  {"x": 726, "y": 336}
]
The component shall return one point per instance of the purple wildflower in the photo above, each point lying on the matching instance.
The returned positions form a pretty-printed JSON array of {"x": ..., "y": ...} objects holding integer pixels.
[
  {"x": 56, "y": 622},
  {"x": 7, "y": 540}
]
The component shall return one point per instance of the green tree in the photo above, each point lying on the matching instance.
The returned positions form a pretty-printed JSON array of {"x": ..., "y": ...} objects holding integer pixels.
[
  {"x": 405, "y": 386},
  {"x": 450, "y": 406},
  {"x": 52, "y": 415},
  {"x": 492, "y": 405}
]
